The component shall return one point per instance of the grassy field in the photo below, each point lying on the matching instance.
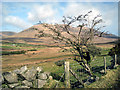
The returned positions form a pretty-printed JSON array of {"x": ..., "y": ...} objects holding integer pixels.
[{"x": 46, "y": 56}]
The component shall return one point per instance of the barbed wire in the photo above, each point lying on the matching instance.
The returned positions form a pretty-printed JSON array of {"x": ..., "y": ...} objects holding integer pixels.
[
  {"x": 98, "y": 63},
  {"x": 59, "y": 80}
]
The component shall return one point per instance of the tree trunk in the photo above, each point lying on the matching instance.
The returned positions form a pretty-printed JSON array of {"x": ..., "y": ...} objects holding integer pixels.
[{"x": 88, "y": 70}]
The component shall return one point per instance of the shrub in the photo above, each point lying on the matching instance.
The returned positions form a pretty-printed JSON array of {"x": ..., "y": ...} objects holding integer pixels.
[
  {"x": 13, "y": 52},
  {"x": 94, "y": 51},
  {"x": 32, "y": 50},
  {"x": 60, "y": 63},
  {"x": 115, "y": 50},
  {"x": 57, "y": 77}
]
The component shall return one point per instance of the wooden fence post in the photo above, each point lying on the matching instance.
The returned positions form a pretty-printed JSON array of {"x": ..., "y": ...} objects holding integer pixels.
[
  {"x": 115, "y": 60},
  {"x": 104, "y": 64},
  {"x": 67, "y": 76}
]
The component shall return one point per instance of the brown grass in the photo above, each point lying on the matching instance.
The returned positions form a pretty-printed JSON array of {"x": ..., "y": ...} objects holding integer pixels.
[{"x": 33, "y": 57}]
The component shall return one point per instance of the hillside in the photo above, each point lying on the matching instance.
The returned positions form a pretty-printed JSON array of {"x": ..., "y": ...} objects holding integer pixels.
[{"x": 28, "y": 35}]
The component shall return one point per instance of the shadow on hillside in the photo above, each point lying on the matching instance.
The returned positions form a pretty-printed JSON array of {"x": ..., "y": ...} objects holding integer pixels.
[
  {"x": 14, "y": 38},
  {"x": 114, "y": 42},
  {"x": 23, "y": 38}
]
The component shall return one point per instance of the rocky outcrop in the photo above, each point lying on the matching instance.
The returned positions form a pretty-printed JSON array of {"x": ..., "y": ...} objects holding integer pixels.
[{"x": 25, "y": 78}]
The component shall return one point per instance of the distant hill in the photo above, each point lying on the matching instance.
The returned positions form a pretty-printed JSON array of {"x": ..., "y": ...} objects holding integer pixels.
[
  {"x": 28, "y": 35},
  {"x": 110, "y": 36},
  {"x": 7, "y": 33}
]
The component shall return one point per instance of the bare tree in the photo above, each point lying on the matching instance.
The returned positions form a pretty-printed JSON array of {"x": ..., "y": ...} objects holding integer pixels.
[{"x": 77, "y": 39}]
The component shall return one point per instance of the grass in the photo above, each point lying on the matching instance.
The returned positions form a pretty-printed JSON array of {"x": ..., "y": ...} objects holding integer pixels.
[
  {"x": 110, "y": 80},
  {"x": 50, "y": 66},
  {"x": 46, "y": 58},
  {"x": 26, "y": 45},
  {"x": 9, "y": 47}
]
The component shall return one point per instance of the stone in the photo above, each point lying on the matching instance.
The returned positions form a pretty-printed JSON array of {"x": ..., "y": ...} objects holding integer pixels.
[
  {"x": 50, "y": 78},
  {"x": 80, "y": 86},
  {"x": 13, "y": 85},
  {"x": 41, "y": 83},
  {"x": 17, "y": 71},
  {"x": 35, "y": 83},
  {"x": 22, "y": 87},
  {"x": 47, "y": 73},
  {"x": 2, "y": 78},
  {"x": 92, "y": 78},
  {"x": 27, "y": 83},
  {"x": 20, "y": 77},
  {"x": 30, "y": 74},
  {"x": 102, "y": 71},
  {"x": 10, "y": 77},
  {"x": 42, "y": 76},
  {"x": 97, "y": 78},
  {"x": 87, "y": 83},
  {"x": 39, "y": 69},
  {"x": 23, "y": 69}
]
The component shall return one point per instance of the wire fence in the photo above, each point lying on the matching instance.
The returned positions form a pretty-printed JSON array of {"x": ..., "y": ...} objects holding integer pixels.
[{"x": 76, "y": 76}]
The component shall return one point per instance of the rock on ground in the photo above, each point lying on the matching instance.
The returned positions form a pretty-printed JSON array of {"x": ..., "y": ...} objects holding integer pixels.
[
  {"x": 27, "y": 83},
  {"x": 13, "y": 85},
  {"x": 47, "y": 73},
  {"x": 17, "y": 71},
  {"x": 39, "y": 69},
  {"x": 22, "y": 87},
  {"x": 30, "y": 74},
  {"x": 50, "y": 78},
  {"x": 41, "y": 83},
  {"x": 2, "y": 78},
  {"x": 97, "y": 78},
  {"x": 10, "y": 77},
  {"x": 42, "y": 76},
  {"x": 23, "y": 69}
]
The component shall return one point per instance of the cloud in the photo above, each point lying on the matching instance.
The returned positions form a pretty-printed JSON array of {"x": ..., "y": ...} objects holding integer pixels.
[
  {"x": 41, "y": 12},
  {"x": 75, "y": 9},
  {"x": 17, "y": 22}
]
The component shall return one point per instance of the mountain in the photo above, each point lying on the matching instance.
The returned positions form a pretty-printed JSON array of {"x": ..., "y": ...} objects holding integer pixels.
[{"x": 28, "y": 35}]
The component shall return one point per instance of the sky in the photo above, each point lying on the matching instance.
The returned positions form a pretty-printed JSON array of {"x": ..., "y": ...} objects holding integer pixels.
[{"x": 17, "y": 16}]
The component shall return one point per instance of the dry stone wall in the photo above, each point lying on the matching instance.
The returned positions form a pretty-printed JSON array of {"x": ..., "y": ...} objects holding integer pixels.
[{"x": 25, "y": 78}]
